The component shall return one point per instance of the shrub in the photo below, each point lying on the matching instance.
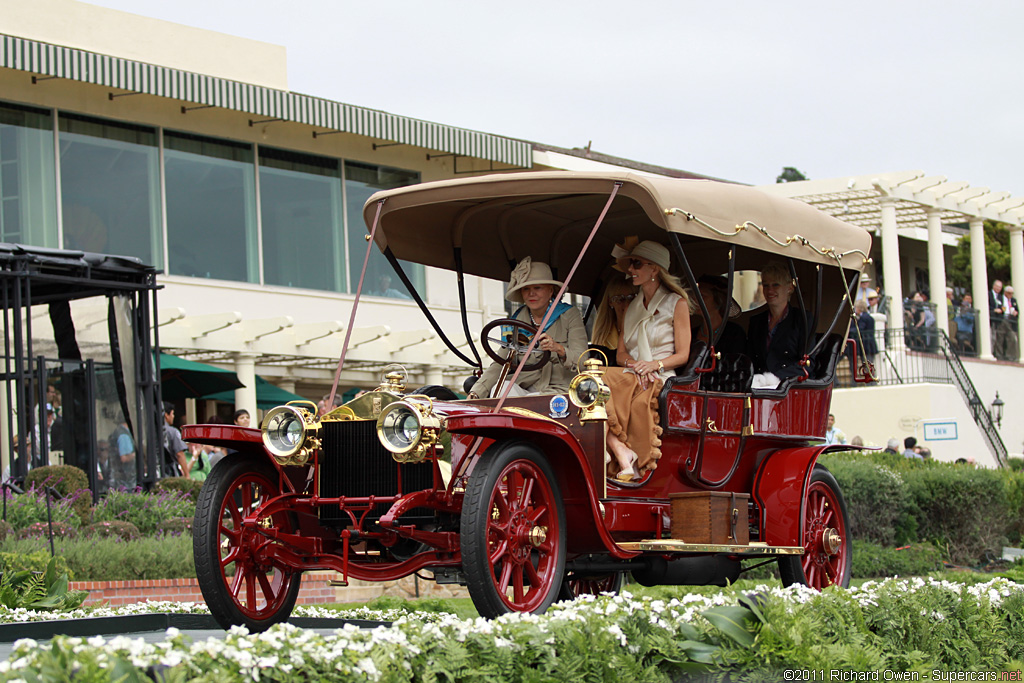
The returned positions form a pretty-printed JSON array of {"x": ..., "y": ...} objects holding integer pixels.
[
  {"x": 188, "y": 487},
  {"x": 33, "y": 558},
  {"x": 5, "y": 530},
  {"x": 112, "y": 559},
  {"x": 876, "y": 498},
  {"x": 962, "y": 509},
  {"x": 145, "y": 510},
  {"x": 176, "y": 525},
  {"x": 25, "y": 509},
  {"x": 126, "y": 531},
  {"x": 871, "y": 561},
  {"x": 42, "y": 530},
  {"x": 69, "y": 481}
]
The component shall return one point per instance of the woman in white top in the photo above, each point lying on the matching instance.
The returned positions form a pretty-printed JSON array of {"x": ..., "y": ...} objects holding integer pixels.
[{"x": 655, "y": 341}]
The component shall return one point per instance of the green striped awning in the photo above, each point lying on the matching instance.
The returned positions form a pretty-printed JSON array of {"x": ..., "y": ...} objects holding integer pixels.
[{"x": 89, "y": 67}]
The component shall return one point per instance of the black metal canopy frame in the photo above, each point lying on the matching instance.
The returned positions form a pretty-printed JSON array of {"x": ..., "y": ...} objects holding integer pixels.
[{"x": 35, "y": 276}]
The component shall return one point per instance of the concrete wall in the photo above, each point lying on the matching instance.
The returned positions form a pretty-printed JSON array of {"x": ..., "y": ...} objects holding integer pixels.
[{"x": 878, "y": 413}]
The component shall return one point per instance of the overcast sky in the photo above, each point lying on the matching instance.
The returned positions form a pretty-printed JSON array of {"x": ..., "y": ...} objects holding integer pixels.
[{"x": 735, "y": 90}]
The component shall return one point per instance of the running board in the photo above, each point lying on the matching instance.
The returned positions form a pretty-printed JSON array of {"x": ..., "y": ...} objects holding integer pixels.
[{"x": 669, "y": 545}]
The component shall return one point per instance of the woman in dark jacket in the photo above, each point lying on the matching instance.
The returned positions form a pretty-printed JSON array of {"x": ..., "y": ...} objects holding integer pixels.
[{"x": 776, "y": 337}]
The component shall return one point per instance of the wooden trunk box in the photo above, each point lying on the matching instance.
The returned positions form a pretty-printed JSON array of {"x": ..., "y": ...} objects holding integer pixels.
[{"x": 717, "y": 517}]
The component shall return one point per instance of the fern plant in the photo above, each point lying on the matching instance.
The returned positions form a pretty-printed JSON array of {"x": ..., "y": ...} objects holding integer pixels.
[{"x": 46, "y": 591}]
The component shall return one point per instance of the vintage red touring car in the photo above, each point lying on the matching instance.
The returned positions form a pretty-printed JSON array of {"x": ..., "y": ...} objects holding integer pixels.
[{"x": 510, "y": 496}]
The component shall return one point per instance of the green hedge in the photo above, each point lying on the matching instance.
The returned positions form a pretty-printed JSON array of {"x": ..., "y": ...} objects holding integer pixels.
[
  {"x": 968, "y": 512},
  {"x": 110, "y": 558}
]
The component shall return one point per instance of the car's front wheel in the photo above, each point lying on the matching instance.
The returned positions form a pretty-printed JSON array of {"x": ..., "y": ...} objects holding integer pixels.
[
  {"x": 241, "y": 581},
  {"x": 513, "y": 531}
]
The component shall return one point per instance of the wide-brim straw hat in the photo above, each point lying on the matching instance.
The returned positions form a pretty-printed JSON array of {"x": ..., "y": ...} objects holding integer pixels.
[
  {"x": 721, "y": 284},
  {"x": 529, "y": 272},
  {"x": 647, "y": 250}
]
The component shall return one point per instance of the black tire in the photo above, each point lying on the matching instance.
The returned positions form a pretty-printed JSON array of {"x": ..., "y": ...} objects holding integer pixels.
[
  {"x": 820, "y": 566},
  {"x": 241, "y": 586},
  {"x": 575, "y": 584},
  {"x": 513, "y": 545}
]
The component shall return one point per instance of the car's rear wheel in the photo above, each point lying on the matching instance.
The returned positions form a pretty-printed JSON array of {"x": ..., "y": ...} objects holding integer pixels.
[
  {"x": 577, "y": 584},
  {"x": 513, "y": 531},
  {"x": 827, "y": 553},
  {"x": 243, "y": 585}
]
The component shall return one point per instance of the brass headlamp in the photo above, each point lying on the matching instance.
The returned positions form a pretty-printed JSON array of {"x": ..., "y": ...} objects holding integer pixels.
[
  {"x": 409, "y": 429},
  {"x": 292, "y": 432},
  {"x": 589, "y": 393}
]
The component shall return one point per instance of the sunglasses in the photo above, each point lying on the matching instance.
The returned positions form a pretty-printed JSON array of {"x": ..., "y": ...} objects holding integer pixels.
[
  {"x": 636, "y": 264},
  {"x": 619, "y": 298}
]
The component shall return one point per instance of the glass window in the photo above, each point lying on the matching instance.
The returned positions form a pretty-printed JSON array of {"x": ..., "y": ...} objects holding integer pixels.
[
  {"x": 110, "y": 187},
  {"x": 361, "y": 181},
  {"x": 300, "y": 209},
  {"x": 211, "y": 208},
  {"x": 28, "y": 187}
]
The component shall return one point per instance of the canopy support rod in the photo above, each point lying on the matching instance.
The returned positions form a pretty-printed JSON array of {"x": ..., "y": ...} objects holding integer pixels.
[
  {"x": 355, "y": 304},
  {"x": 812, "y": 328},
  {"x": 728, "y": 295},
  {"x": 803, "y": 306},
  {"x": 850, "y": 286},
  {"x": 692, "y": 281},
  {"x": 397, "y": 267},
  {"x": 461, "y": 279},
  {"x": 565, "y": 285}
]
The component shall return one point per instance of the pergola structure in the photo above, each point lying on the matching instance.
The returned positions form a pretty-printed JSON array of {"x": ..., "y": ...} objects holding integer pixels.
[{"x": 891, "y": 204}]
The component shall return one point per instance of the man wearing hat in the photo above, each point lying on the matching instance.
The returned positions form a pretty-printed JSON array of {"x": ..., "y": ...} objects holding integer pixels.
[
  {"x": 865, "y": 292},
  {"x": 532, "y": 285}
]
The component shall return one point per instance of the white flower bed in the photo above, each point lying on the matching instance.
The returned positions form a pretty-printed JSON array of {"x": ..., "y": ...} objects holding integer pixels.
[{"x": 286, "y": 652}]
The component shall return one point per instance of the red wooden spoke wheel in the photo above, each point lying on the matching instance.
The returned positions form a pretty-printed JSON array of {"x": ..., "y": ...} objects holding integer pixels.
[
  {"x": 242, "y": 583},
  {"x": 576, "y": 584},
  {"x": 827, "y": 554},
  {"x": 513, "y": 526}
]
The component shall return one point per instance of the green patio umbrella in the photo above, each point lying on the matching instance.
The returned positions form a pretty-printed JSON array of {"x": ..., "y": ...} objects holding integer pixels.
[
  {"x": 181, "y": 378},
  {"x": 267, "y": 395}
]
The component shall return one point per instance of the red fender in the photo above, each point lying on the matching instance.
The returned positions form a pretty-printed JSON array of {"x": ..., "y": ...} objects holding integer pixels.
[
  {"x": 569, "y": 460},
  {"x": 779, "y": 487}
]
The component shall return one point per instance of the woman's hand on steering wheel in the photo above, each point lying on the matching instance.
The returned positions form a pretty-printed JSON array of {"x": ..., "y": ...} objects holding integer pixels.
[{"x": 515, "y": 347}]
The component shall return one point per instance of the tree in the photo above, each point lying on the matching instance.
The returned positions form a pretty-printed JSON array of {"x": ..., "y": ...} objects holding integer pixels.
[
  {"x": 790, "y": 175},
  {"x": 997, "y": 256}
]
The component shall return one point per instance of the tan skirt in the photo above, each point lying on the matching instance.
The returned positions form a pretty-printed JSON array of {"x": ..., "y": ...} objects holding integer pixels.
[{"x": 633, "y": 417}]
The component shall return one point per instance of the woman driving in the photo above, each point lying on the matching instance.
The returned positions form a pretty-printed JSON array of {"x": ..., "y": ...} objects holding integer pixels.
[
  {"x": 775, "y": 338},
  {"x": 565, "y": 336},
  {"x": 654, "y": 342}
]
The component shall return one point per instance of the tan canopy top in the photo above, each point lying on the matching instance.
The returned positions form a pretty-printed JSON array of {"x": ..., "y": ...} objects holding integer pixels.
[{"x": 498, "y": 219}]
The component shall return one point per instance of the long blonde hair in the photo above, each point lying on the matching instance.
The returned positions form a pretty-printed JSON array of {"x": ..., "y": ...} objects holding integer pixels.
[
  {"x": 673, "y": 284},
  {"x": 606, "y": 325}
]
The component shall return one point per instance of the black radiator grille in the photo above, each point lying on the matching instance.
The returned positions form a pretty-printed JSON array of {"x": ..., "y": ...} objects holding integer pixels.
[{"x": 353, "y": 463}]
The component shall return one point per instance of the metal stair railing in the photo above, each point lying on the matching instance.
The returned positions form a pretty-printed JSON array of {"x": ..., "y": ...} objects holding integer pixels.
[{"x": 982, "y": 417}]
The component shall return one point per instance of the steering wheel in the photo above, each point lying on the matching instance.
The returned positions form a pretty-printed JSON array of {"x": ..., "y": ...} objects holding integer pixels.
[{"x": 522, "y": 333}]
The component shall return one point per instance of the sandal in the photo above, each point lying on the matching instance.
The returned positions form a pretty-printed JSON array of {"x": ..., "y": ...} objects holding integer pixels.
[{"x": 631, "y": 473}]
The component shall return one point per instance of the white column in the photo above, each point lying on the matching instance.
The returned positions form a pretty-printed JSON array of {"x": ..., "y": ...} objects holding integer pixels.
[
  {"x": 288, "y": 384},
  {"x": 891, "y": 268},
  {"x": 245, "y": 368},
  {"x": 1017, "y": 275},
  {"x": 979, "y": 288},
  {"x": 937, "y": 270}
]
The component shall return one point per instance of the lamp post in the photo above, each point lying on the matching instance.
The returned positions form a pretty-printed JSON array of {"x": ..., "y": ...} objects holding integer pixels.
[{"x": 997, "y": 410}]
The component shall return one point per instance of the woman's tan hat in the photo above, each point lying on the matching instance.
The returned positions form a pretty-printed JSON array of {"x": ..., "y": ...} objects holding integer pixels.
[
  {"x": 526, "y": 273},
  {"x": 647, "y": 250}
]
